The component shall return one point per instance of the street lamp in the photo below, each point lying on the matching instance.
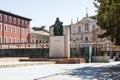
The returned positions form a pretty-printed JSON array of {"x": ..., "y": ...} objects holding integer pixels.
[
  {"x": 75, "y": 48},
  {"x": 107, "y": 48}
]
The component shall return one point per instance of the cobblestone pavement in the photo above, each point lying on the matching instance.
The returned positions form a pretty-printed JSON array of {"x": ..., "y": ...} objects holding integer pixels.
[{"x": 103, "y": 72}]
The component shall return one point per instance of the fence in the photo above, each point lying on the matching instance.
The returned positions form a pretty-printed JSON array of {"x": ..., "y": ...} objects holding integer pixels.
[
  {"x": 100, "y": 49},
  {"x": 24, "y": 50},
  {"x": 23, "y": 45},
  {"x": 42, "y": 50}
]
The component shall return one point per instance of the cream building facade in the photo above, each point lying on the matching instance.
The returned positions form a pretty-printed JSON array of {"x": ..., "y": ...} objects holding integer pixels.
[
  {"x": 84, "y": 32},
  {"x": 39, "y": 38}
]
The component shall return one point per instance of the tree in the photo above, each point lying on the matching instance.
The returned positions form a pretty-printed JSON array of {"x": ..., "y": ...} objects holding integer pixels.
[
  {"x": 38, "y": 28},
  {"x": 108, "y": 18}
]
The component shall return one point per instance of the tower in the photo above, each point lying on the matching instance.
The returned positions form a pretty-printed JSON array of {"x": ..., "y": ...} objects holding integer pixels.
[
  {"x": 71, "y": 21},
  {"x": 86, "y": 12}
]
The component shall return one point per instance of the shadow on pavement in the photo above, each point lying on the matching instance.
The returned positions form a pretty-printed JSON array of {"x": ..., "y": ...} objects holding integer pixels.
[{"x": 97, "y": 73}]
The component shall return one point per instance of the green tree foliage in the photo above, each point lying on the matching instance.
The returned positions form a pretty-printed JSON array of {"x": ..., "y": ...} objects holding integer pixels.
[
  {"x": 108, "y": 18},
  {"x": 38, "y": 28}
]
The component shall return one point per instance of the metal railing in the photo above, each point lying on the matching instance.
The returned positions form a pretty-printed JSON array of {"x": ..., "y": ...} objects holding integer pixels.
[{"x": 23, "y": 45}]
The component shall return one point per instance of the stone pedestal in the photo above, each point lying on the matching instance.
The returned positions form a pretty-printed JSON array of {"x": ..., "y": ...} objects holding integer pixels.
[{"x": 59, "y": 46}]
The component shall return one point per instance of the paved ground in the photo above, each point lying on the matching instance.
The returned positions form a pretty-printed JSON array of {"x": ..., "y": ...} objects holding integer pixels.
[
  {"x": 109, "y": 71},
  {"x": 22, "y": 64},
  {"x": 88, "y": 71}
]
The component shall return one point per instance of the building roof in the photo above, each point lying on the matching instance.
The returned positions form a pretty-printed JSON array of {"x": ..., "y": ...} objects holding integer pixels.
[
  {"x": 9, "y": 13},
  {"x": 39, "y": 32},
  {"x": 88, "y": 19}
]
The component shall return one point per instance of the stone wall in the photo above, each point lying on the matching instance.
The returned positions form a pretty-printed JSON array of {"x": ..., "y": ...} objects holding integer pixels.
[{"x": 100, "y": 58}]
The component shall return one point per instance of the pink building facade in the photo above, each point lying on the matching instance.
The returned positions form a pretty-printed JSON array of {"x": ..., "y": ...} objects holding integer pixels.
[{"x": 14, "y": 28}]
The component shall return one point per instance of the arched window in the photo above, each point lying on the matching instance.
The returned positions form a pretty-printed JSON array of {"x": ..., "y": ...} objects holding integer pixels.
[
  {"x": 36, "y": 41},
  {"x": 86, "y": 27},
  {"x": 86, "y": 39},
  {"x": 79, "y": 29},
  {"x": 93, "y": 27}
]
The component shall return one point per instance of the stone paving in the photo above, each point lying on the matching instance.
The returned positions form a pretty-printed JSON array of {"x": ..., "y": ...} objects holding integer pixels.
[
  {"x": 95, "y": 72},
  {"x": 22, "y": 64},
  {"x": 85, "y": 71}
]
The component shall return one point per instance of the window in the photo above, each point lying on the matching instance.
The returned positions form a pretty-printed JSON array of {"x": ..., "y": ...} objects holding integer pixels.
[
  {"x": 86, "y": 27},
  {"x": 40, "y": 41},
  {"x": 18, "y": 21},
  {"x": 10, "y": 40},
  {"x": 10, "y": 28},
  {"x": 18, "y": 40},
  {"x": 22, "y": 31},
  {"x": 93, "y": 27},
  {"x": 0, "y": 39},
  {"x": 79, "y": 29},
  {"x": 26, "y": 40},
  {"x": 81, "y": 38},
  {"x": 18, "y": 30},
  {"x": 14, "y": 21},
  {"x": 10, "y": 19},
  {"x": 0, "y": 27},
  {"x": 14, "y": 40},
  {"x": 5, "y": 18},
  {"x": 5, "y": 39},
  {"x": 86, "y": 39},
  {"x": 77, "y": 39},
  {"x": 22, "y": 41},
  {"x": 0, "y": 17},
  {"x": 14, "y": 29},
  {"x": 5, "y": 27},
  {"x": 26, "y": 23},
  {"x": 26, "y": 31},
  {"x": 36, "y": 41},
  {"x": 22, "y": 22},
  {"x": 32, "y": 40}
]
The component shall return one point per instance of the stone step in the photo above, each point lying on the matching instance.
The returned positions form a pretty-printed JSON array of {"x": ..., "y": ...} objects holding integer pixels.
[{"x": 58, "y": 60}]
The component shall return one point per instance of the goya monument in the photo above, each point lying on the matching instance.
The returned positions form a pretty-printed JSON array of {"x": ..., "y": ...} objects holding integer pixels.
[{"x": 59, "y": 40}]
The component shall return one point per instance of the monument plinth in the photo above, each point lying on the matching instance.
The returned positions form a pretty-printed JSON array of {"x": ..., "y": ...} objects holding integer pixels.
[
  {"x": 59, "y": 45},
  {"x": 57, "y": 48}
]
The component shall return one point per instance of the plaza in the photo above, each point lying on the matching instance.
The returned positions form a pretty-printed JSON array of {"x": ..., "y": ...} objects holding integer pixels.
[
  {"x": 85, "y": 71},
  {"x": 40, "y": 40}
]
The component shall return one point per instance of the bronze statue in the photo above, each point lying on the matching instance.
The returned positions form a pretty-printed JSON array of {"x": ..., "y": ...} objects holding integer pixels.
[{"x": 58, "y": 28}]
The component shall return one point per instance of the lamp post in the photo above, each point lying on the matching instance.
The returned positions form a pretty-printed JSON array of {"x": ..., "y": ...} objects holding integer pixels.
[
  {"x": 75, "y": 49},
  {"x": 99, "y": 49},
  {"x": 96, "y": 49},
  {"x": 42, "y": 49},
  {"x": 80, "y": 56},
  {"x": 106, "y": 47}
]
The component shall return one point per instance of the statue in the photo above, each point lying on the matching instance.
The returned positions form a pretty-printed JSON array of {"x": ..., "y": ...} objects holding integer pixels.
[{"x": 58, "y": 28}]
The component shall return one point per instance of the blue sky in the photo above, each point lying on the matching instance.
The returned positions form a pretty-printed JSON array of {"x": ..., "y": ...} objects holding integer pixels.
[{"x": 44, "y": 12}]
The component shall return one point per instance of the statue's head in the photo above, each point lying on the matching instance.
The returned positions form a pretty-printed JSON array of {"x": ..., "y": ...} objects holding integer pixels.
[{"x": 57, "y": 19}]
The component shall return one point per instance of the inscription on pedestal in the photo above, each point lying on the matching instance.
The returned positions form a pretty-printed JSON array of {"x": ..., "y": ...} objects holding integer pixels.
[{"x": 57, "y": 46}]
